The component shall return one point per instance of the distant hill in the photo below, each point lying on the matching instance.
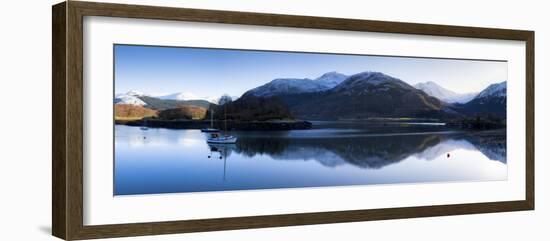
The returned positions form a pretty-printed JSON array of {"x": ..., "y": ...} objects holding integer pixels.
[
  {"x": 132, "y": 112},
  {"x": 435, "y": 90},
  {"x": 183, "y": 113},
  {"x": 187, "y": 96},
  {"x": 140, "y": 99},
  {"x": 160, "y": 104},
  {"x": 490, "y": 101}
]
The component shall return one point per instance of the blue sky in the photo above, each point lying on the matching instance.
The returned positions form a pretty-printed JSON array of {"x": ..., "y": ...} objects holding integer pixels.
[{"x": 214, "y": 72}]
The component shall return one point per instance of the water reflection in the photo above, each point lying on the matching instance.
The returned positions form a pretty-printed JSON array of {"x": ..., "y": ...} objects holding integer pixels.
[
  {"x": 221, "y": 151},
  {"x": 165, "y": 161},
  {"x": 369, "y": 152},
  {"x": 492, "y": 145}
]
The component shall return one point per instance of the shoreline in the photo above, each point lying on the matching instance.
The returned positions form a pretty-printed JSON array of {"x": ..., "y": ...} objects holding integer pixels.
[{"x": 275, "y": 125}]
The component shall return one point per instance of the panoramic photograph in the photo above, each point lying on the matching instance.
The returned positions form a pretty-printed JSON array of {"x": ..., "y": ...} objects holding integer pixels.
[{"x": 192, "y": 119}]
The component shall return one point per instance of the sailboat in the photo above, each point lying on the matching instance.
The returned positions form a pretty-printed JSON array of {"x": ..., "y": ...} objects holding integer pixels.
[
  {"x": 218, "y": 138},
  {"x": 211, "y": 129}
]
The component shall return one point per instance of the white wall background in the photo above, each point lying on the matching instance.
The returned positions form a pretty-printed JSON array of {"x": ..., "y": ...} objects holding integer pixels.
[{"x": 25, "y": 123}]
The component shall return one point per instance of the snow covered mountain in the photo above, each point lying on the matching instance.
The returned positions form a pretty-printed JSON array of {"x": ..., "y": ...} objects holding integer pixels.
[
  {"x": 368, "y": 81},
  {"x": 178, "y": 96},
  {"x": 135, "y": 93},
  {"x": 134, "y": 97},
  {"x": 491, "y": 100},
  {"x": 365, "y": 95},
  {"x": 130, "y": 98},
  {"x": 286, "y": 86},
  {"x": 494, "y": 90},
  {"x": 188, "y": 96},
  {"x": 435, "y": 90}
]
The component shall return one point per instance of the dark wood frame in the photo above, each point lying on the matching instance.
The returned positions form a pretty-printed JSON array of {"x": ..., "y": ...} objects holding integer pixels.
[{"x": 67, "y": 120}]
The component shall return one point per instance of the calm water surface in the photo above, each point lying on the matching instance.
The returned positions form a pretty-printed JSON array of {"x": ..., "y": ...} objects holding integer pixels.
[{"x": 331, "y": 154}]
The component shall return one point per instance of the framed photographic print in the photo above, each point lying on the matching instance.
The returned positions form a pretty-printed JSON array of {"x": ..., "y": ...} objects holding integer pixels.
[{"x": 171, "y": 120}]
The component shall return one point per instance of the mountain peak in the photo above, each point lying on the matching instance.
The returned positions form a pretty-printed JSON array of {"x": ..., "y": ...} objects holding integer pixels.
[
  {"x": 188, "y": 96},
  {"x": 429, "y": 84},
  {"x": 435, "y": 90},
  {"x": 134, "y": 93},
  {"x": 282, "y": 86},
  {"x": 373, "y": 77},
  {"x": 331, "y": 79},
  {"x": 287, "y": 80},
  {"x": 362, "y": 81},
  {"x": 130, "y": 98},
  {"x": 365, "y": 95},
  {"x": 497, "y": 90},
  {"x": 331, "y": 74},
  {"x": 491, "y": 100}
]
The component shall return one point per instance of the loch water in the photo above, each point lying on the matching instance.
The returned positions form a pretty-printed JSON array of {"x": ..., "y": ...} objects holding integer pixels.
[{"x": 161, "y": 160}]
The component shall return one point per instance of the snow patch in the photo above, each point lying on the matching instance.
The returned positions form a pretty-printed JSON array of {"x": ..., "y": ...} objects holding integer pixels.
[{"x": 129, "y": 100}]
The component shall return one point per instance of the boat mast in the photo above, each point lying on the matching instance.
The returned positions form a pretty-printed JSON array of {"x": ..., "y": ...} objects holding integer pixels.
[
  {"x": 211, "y": 118},
  {"x": 225, "y": 122}
]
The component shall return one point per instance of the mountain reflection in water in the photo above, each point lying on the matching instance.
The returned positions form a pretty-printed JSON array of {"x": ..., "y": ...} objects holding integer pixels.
[
  {"x": 368, "y": 152},
  {"x": 168, "y": 161}
]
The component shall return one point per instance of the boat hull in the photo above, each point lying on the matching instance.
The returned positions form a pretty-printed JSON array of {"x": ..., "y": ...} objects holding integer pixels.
[{"x": 223, "y": 140}]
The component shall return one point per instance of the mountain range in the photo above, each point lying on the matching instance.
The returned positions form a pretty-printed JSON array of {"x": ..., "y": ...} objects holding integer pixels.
[
  {"x": 156, "y": 103},
  {"x": 335, "y": 96},
  {"x": 364, "y": 95},
  {"x": 287, "y": 86},
  {"x": 187, "y": 96}
]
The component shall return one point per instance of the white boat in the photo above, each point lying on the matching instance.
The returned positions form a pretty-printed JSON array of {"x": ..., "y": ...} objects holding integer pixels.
[{"x": 217, "y": 138}]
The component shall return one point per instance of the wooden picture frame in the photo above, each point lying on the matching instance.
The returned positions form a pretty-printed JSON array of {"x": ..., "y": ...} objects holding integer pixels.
[{"x": 67, "y": 123}]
